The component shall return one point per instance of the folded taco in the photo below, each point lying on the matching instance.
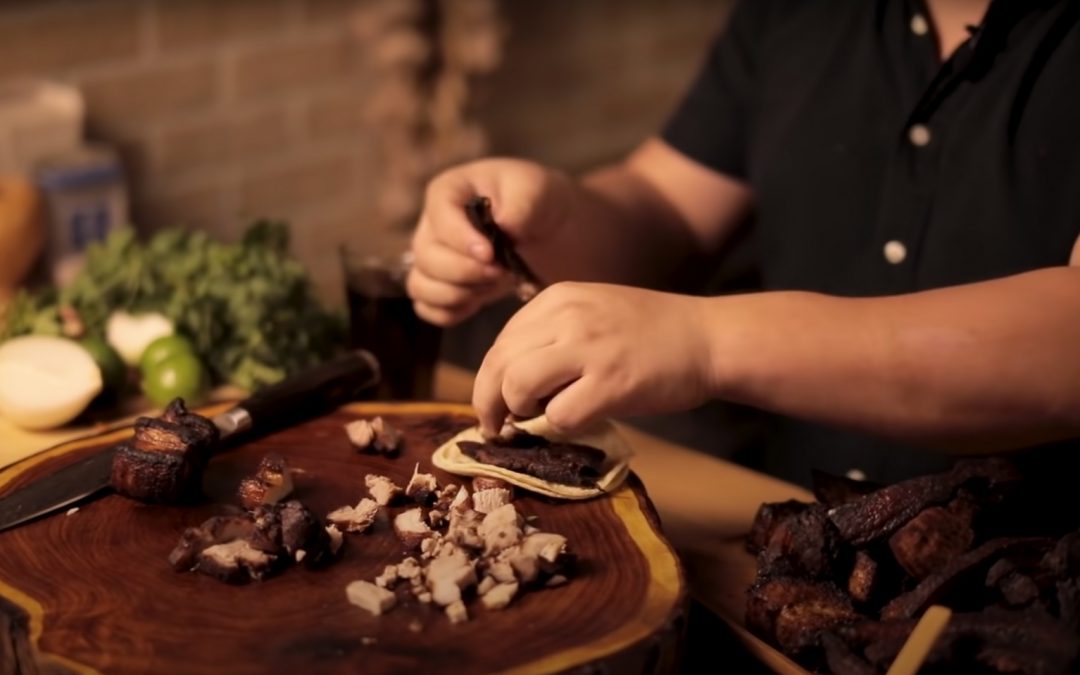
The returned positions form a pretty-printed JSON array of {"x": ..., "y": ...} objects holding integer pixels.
[{"x": 532, "y": 455}]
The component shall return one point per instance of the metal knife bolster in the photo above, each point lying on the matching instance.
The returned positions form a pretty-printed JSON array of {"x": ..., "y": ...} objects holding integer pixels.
[{"x": 232, "y": 422}]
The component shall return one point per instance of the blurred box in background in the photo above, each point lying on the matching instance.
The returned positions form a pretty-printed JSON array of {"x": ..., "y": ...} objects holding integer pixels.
[{"x": 82, "y": 185}]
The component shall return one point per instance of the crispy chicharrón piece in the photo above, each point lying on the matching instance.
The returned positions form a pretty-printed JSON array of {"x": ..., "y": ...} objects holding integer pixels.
[
  {"x": 164, "y": 461},
  {"x": 271, "y": 483}
]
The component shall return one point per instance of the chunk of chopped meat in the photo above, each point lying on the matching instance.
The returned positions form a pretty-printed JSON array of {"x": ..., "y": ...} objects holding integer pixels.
[
  {"x": 456, "y": 612},
  {"x": 388, "y": 578},
  {"x": 864, "y": 577},
  {"x": 799, "y": 625},
  {"x": 409, "y": 569},
  {"x": 447, "y": 576},
  {"x": 770, "y": 595},
  {"x": 490, "y": 499},
  {"x": 464, "y": 529},
  {"x": 806, "y": 542},
  {"x": 375, "y": 435},
  {"x": 355, "y": 519},
  {"x": 164, "y": 461},
  {"x": 235, "y": 562},
  {"x": 933, "y": 537},
  {"x": 336, "y": 538},
  {"x": 499, "y": 595},
  {"x": 411, "y": 528},
  {"x": 271, "y": 483},
  {"x": 369, "y": 597},
  {"x": 301, "y": 530},
  {"x": 500, "y": 529},
  {"x": 382, "y": 489},
  {"x": 768, "y": 517},
  {"x": 421, "y": 486}
]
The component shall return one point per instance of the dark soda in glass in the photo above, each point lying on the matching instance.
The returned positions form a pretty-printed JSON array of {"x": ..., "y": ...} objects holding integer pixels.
[{"x": 382, "y": 320}]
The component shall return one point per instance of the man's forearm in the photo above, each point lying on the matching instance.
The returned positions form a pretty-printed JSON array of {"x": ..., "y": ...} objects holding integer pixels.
[{"x": 993, "y": 365}]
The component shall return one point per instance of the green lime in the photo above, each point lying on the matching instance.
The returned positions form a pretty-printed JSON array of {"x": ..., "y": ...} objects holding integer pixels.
[
  {"x": 181, "y": 375},
  {"x": 162, "y": 348},
  {"x": 113, "y": 370}
]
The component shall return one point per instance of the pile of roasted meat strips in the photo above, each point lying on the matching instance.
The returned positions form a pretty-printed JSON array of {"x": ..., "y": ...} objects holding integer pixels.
[{"x": 842, "y": 582}]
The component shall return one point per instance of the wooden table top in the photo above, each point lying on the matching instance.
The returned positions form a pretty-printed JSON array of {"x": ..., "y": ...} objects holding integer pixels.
[{"x": 705, "y": 504}]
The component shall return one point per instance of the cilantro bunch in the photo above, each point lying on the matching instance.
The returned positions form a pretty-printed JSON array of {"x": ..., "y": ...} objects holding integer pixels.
[{"x": 248, "y": 307}]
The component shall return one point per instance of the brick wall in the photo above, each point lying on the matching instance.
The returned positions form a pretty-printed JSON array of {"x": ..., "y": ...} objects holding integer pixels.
[{"x": 227, "y": 110}]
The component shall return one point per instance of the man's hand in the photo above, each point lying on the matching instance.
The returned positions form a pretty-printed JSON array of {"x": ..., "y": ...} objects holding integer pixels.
[
  {"x": 594, "y": 350},
  {"x": 453, "y": 274}
]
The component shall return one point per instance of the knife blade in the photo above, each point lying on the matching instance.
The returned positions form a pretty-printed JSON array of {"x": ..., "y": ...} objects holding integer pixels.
[
  {"x": 478, "y": 211},
  {"x": 309, "y": 393}
]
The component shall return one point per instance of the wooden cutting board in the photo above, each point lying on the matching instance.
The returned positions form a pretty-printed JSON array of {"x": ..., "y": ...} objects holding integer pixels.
[{"x": 92, "y": 592}]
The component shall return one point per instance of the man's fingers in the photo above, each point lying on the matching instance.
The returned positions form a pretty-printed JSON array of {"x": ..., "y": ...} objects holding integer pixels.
[
  {"x": 443, "y": 316},
  {"x": 576, "y": 406},
  {"x": 438, "y": 293},
  {"x": 535, "y": 376},
  {"x": 440, "y": 261},
  {"x": 445, "y": 208}
]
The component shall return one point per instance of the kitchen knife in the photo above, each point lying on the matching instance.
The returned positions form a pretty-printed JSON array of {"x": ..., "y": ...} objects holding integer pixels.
[
  {"x": 305, "y": 395},
  {"x": 478, "y": 211}
]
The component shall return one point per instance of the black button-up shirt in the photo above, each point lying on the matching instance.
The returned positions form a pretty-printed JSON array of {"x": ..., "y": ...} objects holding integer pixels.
[{"x": 878, "y": 169}]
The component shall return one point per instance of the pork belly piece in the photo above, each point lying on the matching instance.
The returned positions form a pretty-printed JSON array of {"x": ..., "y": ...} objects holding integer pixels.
[
  {"x": 880, "y": 513},
  {"x": 164, "y": 461},
  {"x": 833, "y": 490},
  {"x": 302, "y": 534},
  {"x": 457, "y": 612},
  {"x": 959, "y": 575},
  {"x": 355, "y": 519},
  {"x": 464, "y": 528},
  {"x": 271, "y": 483},
  {"x": 769, "y": 516},
  {"x": 422, "y": 486},
  {"x": 490, "y": 494},
  {"x": 557, "y": 462},
  {"x": 235, "y": 562},
  {"x": 369, "y": 597},
  {"x": 335, "y": 537},
  {"x": 411, "y": 528},
  {"x": 798, "y": 626},
  {"x": 805, "y": 544},
  {"x": 769, "y": 595},
  {"x": 934, "y": 537},
  {"x": 382, "y": 489},
  {"x": 219, "y": 530},
  {"x": 374, "y": 435}
]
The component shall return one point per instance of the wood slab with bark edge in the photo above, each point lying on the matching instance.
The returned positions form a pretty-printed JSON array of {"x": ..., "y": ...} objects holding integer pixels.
[{"x": 97, "y": 595}]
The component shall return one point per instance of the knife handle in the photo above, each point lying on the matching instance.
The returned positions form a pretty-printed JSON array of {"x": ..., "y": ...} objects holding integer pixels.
[{"x": 310, "y": 393}]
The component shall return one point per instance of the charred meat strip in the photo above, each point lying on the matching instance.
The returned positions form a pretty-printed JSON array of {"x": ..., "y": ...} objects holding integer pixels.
[
  {"x": 960, "y": 571},
  {"x": 799, "y": 626},
  {"x": 864, "y": 579},
  {"x": 164, "y": 461},
  {"x": 884, "y": 511},
  {"x": 557, "y": 462}
]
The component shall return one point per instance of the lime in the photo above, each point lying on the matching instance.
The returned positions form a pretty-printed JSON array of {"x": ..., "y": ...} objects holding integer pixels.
[
  {"x": 113, "y": 370},
  {"x": 162, "y": 348},
  {"x": 181, "y": 375}
]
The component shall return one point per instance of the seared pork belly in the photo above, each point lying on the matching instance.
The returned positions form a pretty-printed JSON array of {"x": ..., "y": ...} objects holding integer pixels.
[
  {"x": 302, "y": 535},
  {"x": 557, "y": 462},
  {"x": 271, "y": 483},
  {"x": 164, "y": 461},
  {"x": 490, "y": 493}
]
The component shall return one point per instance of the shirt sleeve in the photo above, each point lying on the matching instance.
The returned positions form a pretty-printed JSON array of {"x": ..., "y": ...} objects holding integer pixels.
[{"x": 711, "y": 124}]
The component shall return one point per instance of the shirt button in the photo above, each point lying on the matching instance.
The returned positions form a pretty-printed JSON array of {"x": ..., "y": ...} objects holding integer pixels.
[
  {"x": 919, "y": 25},
  {"x": 895, "y": 252},
  {"x": 919, "y": 135}
]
